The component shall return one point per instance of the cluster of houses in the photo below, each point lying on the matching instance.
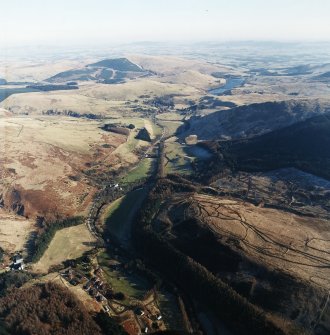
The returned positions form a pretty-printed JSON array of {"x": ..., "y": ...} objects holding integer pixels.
[
  {"x": 100, "y": 291},
  {"x": 146, "y": 318},
  {"x": 93, "y": 287},
  {"x": 73, "y": 277}
]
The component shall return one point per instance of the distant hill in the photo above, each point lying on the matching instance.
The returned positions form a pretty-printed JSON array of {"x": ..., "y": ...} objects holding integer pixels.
[
  {"x": 299, "y": 70},
  {"x": 119, "y": 64},
  {"x": 252, "y": 120},
  {"x": 304, "y": 145},
  {"x": 108, "y": 71},
  {"x": 325, "y": 77}
]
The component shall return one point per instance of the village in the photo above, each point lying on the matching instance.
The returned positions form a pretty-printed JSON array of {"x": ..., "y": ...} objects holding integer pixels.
[{"x": 137, "y": 316}]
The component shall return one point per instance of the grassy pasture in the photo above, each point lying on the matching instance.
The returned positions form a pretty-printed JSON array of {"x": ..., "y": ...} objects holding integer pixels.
[
  {"x": 169, "y": 117},
  {"x": 139, "y": 172},
  {"x": 68, "y": 243},
  {"x": 132, "y": 285}
]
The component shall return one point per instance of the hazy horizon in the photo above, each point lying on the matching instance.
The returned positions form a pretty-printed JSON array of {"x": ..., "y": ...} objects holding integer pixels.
[{"x": 86, "y": 22}]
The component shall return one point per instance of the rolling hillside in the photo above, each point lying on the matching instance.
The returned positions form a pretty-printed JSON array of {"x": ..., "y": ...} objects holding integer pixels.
[
  {"x": 304, "y": 145},
  {"x": 254, "y": 119}
]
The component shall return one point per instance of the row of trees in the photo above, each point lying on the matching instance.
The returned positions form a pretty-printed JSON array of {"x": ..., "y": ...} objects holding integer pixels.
[{"x": 72, "y": 114}]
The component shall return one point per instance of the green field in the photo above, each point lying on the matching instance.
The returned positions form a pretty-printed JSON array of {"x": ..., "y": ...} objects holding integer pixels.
[
  {"x": 169, "y": 117},
  {"x": 177, "y": 160},
  {"x": 119, "y": 214},
  {"x": 131, "y": 285},
  {"x": 179, "y": 157},
  {"x": 157, "y": 130},
  {"x": 141, "y": 171},
  {"x": 126, "y": 150},
  {"x": 171, "y": 126}
]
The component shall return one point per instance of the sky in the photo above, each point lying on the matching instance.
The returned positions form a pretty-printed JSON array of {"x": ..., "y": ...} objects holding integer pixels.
[{"x": 72, "y": 22}]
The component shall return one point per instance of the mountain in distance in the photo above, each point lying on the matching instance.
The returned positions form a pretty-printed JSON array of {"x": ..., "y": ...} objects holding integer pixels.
[
  {"x": 117, "y": 64},
  {"x": 107, "y": 71},
  {"x": 324, "y": 77},
  {"x": 299, "y": 70}
]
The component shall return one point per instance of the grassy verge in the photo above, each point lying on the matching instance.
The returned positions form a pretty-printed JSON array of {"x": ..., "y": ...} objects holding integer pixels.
[{"x": 157, "y": 130}]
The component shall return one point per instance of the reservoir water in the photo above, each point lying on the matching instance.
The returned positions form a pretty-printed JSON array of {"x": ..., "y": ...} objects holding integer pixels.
[
  {"x": 198, "y": 152},
  {"x": 231, "y": 83},
  {"x": 6, "y": 92}
]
